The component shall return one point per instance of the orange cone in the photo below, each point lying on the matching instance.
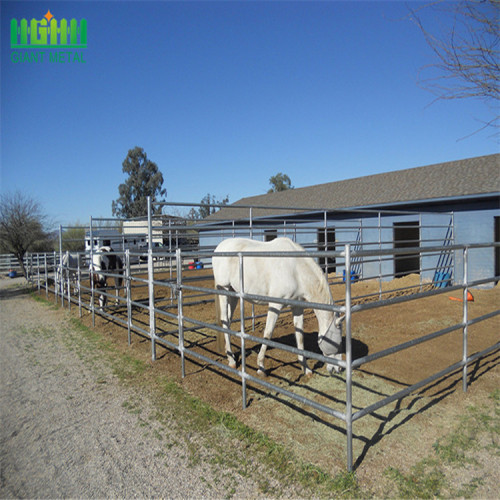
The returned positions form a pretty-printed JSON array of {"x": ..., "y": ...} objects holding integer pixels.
[{"x": 470, "y": 298}]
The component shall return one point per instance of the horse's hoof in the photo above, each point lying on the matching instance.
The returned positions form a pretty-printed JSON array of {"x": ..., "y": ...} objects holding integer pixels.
[
  {"x": 332, "y": 368},
  {"x": 261, "y": 372},
  {"x": 232, "y": 363}
]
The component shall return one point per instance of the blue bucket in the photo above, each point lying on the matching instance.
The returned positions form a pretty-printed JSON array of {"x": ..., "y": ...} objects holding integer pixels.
[
  {"x": 354, "y": 276},
  {"x": 12, "y": 274}
]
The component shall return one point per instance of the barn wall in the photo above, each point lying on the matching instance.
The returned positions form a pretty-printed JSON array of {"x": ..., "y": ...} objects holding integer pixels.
[{"x": 476, "y": 226}]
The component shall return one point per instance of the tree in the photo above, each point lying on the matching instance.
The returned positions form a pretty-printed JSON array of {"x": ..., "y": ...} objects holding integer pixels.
[
  {"x": 22, "y": 225},
  {"x": 207, "y": 207},
  {"x": 73, "y": 238},
  {"x": 144, "y": 180},
  {"x": 468, "y": 62},
  {"x": 280, "y": 182}
]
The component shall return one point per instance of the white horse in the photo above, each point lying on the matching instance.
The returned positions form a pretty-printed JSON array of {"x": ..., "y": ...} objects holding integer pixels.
[
  {"x": 295, "y": 278},
  {"x": 105, "y": 260},
  {"x": 69, "y": 269}
]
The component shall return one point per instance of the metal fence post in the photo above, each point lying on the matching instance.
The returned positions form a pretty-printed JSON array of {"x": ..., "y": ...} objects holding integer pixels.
[
  {"x": 151, "y": 286},
  {"x": 380, "y": 256},
  {"x": 79, "y": 281},
  {"x": 46, "y": 276},
  {"x": 92, "y": 291},
  {"x": 38, "y": 271},
  {"x": 68, "y": 277},
  {"x": 56, "y": 278},
  {"x": 251, "y": 223},
  {"x": 128, "y": 292},
  {"x": 348, "y": 356},
  {"x": 465, "y": 320},
  {"x": 242, "y": 334},
  {"x": 180, "y": 311},
  {"x": 60, "y": 268}
]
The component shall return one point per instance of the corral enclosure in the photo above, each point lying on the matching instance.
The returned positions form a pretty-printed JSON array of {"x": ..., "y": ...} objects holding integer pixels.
[{"x": 402, "y": 332}]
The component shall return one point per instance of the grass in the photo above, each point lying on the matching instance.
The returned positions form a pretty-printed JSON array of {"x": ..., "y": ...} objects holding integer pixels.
[{"x": 459, "y": 449}]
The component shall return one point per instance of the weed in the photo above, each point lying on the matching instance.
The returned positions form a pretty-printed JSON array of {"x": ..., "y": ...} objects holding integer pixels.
[
  {"x": 468, "y": 490},
  {"x": 425, "y": 480}
]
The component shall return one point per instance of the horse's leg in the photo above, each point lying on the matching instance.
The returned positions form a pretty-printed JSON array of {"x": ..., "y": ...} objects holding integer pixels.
[
  {"x": 227, "y": 307},
  {"x": 102, "y": 301},
  {"x": 231, "y": 304},
  {"x": 272, "y": 316},
  {"x": 298, "y": 322}
]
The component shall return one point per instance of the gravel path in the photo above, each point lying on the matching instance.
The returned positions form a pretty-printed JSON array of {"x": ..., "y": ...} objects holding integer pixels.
[{"x": 69, "y": 428}]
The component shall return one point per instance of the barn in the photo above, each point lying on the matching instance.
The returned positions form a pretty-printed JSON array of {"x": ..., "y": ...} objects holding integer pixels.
[{"x": 456, "y": 202}]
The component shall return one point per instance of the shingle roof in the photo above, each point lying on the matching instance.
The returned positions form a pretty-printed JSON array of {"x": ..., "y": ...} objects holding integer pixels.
[{"x": 455, "y": 179}]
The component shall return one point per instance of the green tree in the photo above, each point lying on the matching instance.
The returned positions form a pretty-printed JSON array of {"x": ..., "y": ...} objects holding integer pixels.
[
  {"x": 144, "y": 179},
  {"x": 74, "y": 238},
  {"x": 280, "y": 182},
  {"x": 207, "y": 207},
  {"x": 22, "y": 226}
]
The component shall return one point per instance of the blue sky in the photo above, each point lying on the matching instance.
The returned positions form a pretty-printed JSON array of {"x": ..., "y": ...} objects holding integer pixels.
[{"x": 223, "y": 95}]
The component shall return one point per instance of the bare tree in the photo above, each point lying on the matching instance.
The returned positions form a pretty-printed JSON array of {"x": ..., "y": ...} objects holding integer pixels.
[
  {"x": 468, "y": 63},
  {"x": 22, "y": 225}
]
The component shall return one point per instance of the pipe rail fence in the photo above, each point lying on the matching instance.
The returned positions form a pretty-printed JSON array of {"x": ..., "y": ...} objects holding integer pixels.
[
  {"x": 160, "y": 288},
  {"x": 171, "y": 292}
]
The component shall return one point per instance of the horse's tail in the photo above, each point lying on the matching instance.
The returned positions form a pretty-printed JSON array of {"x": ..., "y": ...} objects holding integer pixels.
[{"x": 220, "y": 336}]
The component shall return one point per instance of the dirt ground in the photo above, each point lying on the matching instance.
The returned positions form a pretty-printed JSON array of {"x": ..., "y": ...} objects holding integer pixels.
[{"x": 397, "y": 435}]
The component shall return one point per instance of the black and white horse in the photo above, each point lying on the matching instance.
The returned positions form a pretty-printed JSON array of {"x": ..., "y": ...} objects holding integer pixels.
[{"x": 105, "y": 261}]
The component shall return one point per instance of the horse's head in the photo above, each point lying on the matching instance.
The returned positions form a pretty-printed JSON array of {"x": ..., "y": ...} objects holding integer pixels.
[{"x": 330, "y": 342}]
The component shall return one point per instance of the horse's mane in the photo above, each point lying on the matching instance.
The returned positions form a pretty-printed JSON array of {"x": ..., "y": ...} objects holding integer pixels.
[{"x": 321, "y": 292}]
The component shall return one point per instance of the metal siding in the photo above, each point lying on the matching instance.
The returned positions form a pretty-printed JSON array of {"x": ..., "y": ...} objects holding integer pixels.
[{"x": 477, "y": 227}]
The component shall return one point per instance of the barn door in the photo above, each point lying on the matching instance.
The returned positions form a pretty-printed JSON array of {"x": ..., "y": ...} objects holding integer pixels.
[
  {"x": 406, "y": 235},
  {"x": 326, "y": 243},
  {"x": 270, "y": 234}
]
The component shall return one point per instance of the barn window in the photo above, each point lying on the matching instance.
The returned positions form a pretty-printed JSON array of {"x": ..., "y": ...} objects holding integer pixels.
[{"x": 406, "y": 235}]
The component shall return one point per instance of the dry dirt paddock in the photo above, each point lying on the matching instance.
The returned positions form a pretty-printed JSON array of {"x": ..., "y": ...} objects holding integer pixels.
[{"x": 397, "y": 435}]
